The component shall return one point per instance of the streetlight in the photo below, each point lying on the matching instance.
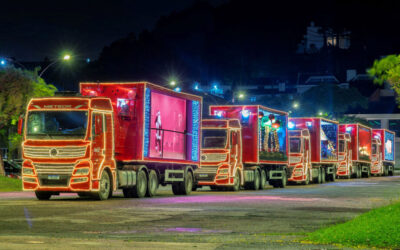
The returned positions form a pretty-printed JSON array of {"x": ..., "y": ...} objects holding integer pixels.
[
  {"x": 241, "y": 95},
  {"x": 4, "y": 61},
  {"x": 66, "y": 57},
  {"x": 172, "y": 83},
  {"x": 320, "y": 113},
  {"x": 295, "y": 105}
]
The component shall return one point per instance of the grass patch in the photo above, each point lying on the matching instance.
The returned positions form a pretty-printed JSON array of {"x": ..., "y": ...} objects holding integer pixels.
[
  {"x": 10, "y": 184},
  {"x": 376, "y": 228}
]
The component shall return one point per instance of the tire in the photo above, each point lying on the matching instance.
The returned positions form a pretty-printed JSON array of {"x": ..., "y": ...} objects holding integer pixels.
[
  {"x": 263, "y": 179},
  {"x": 236, "y": 182},
  {"x": 359, "y": 173},
  {"x": 176, "y": 189},
  {"x": 307, "y": 181},
  {"x": 274, "y": 183},
  {"x": 139, "y": 191},
  {"x": 323, "y": 175},
  {"x": 320, "y": 175},
  {"x": 152, "y": 184},
  {"x": 333, "y": 176},
  {"x": 255, "y": 185},
  {"x": 185, "y": 187},
  {"x": 214, "y": 188},
  {"x": 104, "y": 187},
  {"x": 283, "y": 181},
  {"x": 42, "y": 195},
  {"x": 385, "y": 170}
]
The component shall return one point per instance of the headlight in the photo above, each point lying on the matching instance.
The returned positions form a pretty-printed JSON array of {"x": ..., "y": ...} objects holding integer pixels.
[
  {"x": 82, "y": 171},
  {"x": 77, "y": 180},
  {"x": 29, "y": 179},
  {"x": 27, "y": 171},
  {"x": 223, "y": 171}
]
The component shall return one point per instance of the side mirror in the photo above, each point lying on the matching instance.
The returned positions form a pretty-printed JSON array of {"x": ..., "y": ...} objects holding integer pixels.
[{"x": 20, "y": 124}]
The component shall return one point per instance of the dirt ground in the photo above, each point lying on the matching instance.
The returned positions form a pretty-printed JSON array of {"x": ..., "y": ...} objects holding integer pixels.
[{"x": 272, "y": 218}]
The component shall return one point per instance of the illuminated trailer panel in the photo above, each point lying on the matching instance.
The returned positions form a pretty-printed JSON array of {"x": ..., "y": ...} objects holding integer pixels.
[
  {"x": 264, "y": 132},
  {"x": 361, "y": 141},
  {"x": 152, "y": 123},
  {"x": 323, "y": 136},
  {"x": 387, "y": 143}
]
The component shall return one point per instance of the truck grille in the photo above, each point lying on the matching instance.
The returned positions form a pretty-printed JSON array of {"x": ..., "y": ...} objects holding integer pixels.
[
  {"x": 55, "y": 152},
  {"x": 63, "y": 181},
  {"x": 51, "y": 168},
  {"x": 213, "y": 157},
  {"x": 207, "y": 169}
]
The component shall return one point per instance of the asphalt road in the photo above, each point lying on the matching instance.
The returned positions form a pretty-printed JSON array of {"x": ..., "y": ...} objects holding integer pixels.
[{"x": 272, "y": 218}]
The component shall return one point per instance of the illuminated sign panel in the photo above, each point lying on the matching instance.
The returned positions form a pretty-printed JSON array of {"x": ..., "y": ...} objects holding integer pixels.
[{"x": 389, "y": 146}]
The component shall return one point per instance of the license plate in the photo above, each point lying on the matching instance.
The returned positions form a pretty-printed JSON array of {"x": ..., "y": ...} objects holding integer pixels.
[
  {"x": 203, "y": 175},
  {"x": 53, "y": 177}
]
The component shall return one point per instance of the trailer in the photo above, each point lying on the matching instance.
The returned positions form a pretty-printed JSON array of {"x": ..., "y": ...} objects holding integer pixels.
[
  {"x": 322, "y": 152},
  {"x": 131, "y": 136},
  {"x": 244, "y": 145},
  {"x": 383, "y": 153},
  {"x": 358, "y": 147}
]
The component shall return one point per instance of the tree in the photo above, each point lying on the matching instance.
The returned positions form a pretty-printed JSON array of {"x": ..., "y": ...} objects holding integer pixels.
[
  {"x": 17, "y": 87},
  {"x": 387, "y": 70},
  {"x": 330, "y": 100}
]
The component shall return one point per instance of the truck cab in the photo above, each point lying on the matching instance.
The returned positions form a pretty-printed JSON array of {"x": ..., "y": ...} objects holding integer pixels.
[
  {"x": 300, "y": 156},
  {"x": 221, "y": 154},
  {"x": 68, "y": 147},
  {"x": 376, "y": 157},
  {"x": 345, "y": 158}
]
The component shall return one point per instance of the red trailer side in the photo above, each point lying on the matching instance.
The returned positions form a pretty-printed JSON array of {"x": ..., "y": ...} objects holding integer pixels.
[
  {"x": 387, "y": 149},
  {"x": 360, "y": 146}
]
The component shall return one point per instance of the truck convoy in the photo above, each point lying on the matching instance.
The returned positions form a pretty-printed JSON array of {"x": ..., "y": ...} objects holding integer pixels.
[
  {"x": 136, "y": 136},
  {"x": 130, "y": 136}
]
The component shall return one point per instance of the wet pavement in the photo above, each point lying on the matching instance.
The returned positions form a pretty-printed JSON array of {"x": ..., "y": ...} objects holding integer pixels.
[{"x": 272, "y": 218}]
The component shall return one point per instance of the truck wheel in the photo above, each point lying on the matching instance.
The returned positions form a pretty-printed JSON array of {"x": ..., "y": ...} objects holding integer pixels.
[
  {"x": 391, "y": 171},
  {"x": 307, "y": 181},
  {"x": 187, "y": 185},
  {"x": 263, "y": 179},
  {"x": 283, "y": 181},
  {"x": 43, "y": 196},
  {"x": 385, "y": 171},
  {"x": 323, "y": 175},
  {"x": 236, "y": 182},
  {"x": 319, "y": 175},
  {"x": 104, "y": 187},
  {"x": 358, "y": 176},
  {"x": 333, "y": 176},
  {"x": 152, "y": 184},
  {"x": 255, "y": 185},
  {"x": 139, "y": 191}
]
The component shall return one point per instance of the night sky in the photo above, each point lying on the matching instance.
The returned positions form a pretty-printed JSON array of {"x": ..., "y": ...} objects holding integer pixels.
[{"x": 32, "y": 30}]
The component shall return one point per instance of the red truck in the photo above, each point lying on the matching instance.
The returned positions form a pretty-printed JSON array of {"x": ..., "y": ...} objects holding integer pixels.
[
  {"x": 246, "y": 146},
  {"x": 354, "y": 150},
  {"x": 316, "y": 158},
  {"x": 131, "y": 136},
  {"x": 383, "y": 152}
]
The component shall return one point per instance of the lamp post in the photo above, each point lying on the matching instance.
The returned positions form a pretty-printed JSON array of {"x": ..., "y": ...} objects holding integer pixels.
[{"x": 65, "y": 58}]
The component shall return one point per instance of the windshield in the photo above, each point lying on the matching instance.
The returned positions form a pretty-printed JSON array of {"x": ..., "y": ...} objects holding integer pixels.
[
  {"x": 374, "y": 149},
  {"x": 295, "y": 145},
  {"x": 56, "y": 124},
  {"x": 214, "y": 138}
]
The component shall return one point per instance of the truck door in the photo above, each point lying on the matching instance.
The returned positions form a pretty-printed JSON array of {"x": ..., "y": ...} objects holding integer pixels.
[
  {"x": 98, "y": 142},
  {"x": 234, "y": 154},
  {"x": 306, "y": 154}
]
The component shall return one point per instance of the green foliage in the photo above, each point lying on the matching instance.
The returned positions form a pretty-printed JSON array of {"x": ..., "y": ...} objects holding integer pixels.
[
  {"x": 10, "y": 184},
  {"x": 387, "y": 70},
  {"x": 376, "y": 228},
  {"x": 17, "y": 87},
  {"x": 329, "y": 99},
  {"x": 353, "y": 119}
]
